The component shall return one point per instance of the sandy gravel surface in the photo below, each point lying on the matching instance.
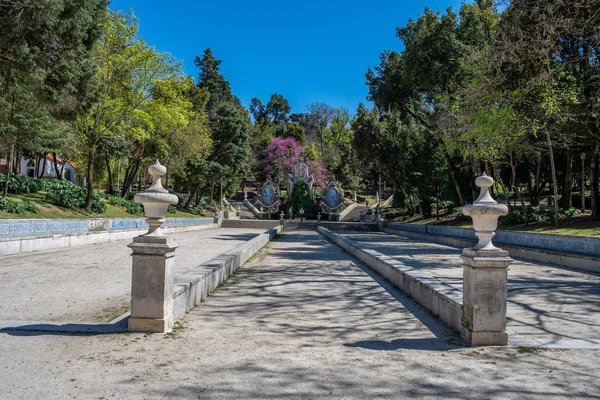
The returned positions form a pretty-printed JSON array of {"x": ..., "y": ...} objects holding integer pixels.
[
  {"x": 543, "y": 301},
  {"x": 93, "y": 283},
  {"x": 301, "y": 321}
]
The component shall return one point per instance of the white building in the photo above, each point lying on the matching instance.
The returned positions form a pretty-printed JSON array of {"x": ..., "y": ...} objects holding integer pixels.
[{"x": 44, "y": 168}]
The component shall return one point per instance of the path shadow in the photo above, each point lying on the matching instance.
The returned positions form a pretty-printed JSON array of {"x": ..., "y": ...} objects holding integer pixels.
[
  {"x": 24, "y": 328},
  {"x": 309, "y": 288}
]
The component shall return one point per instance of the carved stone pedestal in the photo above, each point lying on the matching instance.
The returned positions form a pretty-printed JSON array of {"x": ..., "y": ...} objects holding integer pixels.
[
  {"x": 152, "y": 284},
  {"x": 485, "y": 296}
]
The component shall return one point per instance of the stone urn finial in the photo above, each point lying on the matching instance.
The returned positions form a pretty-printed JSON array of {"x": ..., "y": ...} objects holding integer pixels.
[
  {"x": 156, "y": 200},
  {"x": 485, "y": 212}
]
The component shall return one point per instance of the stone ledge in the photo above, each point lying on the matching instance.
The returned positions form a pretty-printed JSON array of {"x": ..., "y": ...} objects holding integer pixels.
[
  {"x": 53, "y": 242},
  {"x": 194, "y": 286},
  {"x": 563, "y": 259},
  {"x": 442, "y": 300}
]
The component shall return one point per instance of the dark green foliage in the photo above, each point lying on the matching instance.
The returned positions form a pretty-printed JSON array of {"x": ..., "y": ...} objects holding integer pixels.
[
  {"x": 536, "y": 214},
  {"x": 513, "y": 218},
  {"x": 18, "y": 207},
  {"x": 18, "y": 183},
  {"x": 69, "y": 195},
  {"x": 211, "y": 79},
  {"x": 172, "y": 209},
  {"x": 301, "y": 200},
  {"x": 135, "y": 208}
]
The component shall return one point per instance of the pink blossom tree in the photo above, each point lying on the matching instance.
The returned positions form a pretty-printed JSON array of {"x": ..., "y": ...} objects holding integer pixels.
[
  {"x": 280, "y": 157},
  {"x": 282, "y": 154},
  {"x": 319, "y": 171}
]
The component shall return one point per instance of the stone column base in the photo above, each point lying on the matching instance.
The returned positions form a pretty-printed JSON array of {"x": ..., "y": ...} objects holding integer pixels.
[
  {"x": 152, "y": 284},
  {"x": 150, "y": 325},
  {"x": 484, "y": 338},
  {"x": 485, "y": 296}
]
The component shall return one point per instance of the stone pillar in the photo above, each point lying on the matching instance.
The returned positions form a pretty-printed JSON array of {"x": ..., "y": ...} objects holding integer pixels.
[
  {"x": 485, "y": 273},
  {"x": 153, "y": 260}
]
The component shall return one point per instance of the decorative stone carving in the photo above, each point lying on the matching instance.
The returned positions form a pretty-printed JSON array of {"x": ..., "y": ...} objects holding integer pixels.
[
  {"x": 485, "y": 273},
  {"x": 333, "y": 197},
  {"x": 485, "y": 212},
  {"x": 153, "y": 261},
  {"x": 301, "y": 174},
  {"x": 156, "y": 200},
  {"x": 268, "y": 196}
]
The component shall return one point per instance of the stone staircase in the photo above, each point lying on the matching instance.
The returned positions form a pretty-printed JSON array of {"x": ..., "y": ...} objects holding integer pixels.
[{"x": 245, "y": 212}]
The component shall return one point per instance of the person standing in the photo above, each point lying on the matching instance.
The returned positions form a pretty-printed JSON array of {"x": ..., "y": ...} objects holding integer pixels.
[
  {"x": 290, "y": 213},
  {"x": 301, "y": 214}
]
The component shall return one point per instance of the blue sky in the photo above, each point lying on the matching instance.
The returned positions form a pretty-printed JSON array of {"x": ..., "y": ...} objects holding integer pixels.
[{"x": 307, "y": 50}]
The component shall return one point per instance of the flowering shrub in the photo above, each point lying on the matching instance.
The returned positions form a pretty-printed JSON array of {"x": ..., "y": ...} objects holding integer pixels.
[
  {"x": 280, "y": 157},
  {"x": 282, "y": 154}
]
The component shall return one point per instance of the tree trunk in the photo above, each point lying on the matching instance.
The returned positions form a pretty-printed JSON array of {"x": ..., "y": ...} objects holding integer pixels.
[
  {"x": 58, "y": 175},
  {"x": 515, "y": 185},
  {"x": 110, "y": 178},
  {"x": 536, "y": 183},
  {"x": 594, "y": 189},
  {"x": 461, "y": 199},
  {"x": 37, "y": 167},
  {"x": 130, "y": 175},
  {"x": 43, "y": 166},
  {"x": 498, "y": 178},
  {"x": 90, "y": 178},
  {"x": 212, "y": 191},
  {"x": 62, "y": 168},
  {"x": 192, "y": 196},
  {"x": 567, "y": 188},
  {"x": 553, "y": 170},
  {"x": 8, "y": 168}
]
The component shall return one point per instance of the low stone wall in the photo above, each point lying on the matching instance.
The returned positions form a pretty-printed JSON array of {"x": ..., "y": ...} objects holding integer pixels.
[
  {"x": 442, "y": 300},
  {"x": 350, "y": 226},
  {"x": 92, "y": 231},
  {"x": 194, "y": 286},
  {"x": 250, "y": 223},
  {"x": 25, "y": 228},
  {"x": 253, "y": 209},
  {"x": 568, "y": 251}
]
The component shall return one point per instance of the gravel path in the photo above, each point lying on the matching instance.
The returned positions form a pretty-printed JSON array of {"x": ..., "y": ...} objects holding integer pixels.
[
  {"x": 302, "y": 320},
  {"x": 93, "y": 283},
  {"x": 543, "y": 301}
]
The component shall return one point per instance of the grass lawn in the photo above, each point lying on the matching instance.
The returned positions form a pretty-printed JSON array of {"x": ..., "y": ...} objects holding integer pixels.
[
  {"x": 50, "y": 211},
  {"x": 580, "y": 225}
]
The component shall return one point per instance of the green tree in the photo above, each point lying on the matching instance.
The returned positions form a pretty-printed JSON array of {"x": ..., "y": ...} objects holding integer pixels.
[
  {"x": 128, "y": 69},
  {"x": 213, "y": 81},
  {"x": 46, "y": 67}
]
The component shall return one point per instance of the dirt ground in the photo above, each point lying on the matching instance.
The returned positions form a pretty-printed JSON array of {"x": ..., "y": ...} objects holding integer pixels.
[{"x": 302, "y": 320}]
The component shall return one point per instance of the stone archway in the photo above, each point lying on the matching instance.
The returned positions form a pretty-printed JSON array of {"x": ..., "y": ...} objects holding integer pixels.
[{"x": 301, "y": 174}]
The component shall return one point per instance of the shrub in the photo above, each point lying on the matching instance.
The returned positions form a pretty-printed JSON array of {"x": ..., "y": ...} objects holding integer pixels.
[
  {"x": 114, "y": 201},
  {"x": 18, "y": 207},
  {"x": 135, "y": 208},
  {"x": 571, "y": 212},
  {"x": 69, "y": 195},
  {"x": 513, "y": 218},
  {"x": 130, "y": 195},
  {"x": 18, "y": 183},
  {"x": 172, "y": 209}
]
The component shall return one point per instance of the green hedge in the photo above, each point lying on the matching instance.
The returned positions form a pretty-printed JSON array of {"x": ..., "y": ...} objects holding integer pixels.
[
  {"x": 18, "y": 207},
  {"x": 69, "y": 195},
  {"x": 18, "y": 183}
]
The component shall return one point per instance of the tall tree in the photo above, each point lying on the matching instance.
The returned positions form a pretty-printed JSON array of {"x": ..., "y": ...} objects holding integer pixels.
[
  {"x": 128, "y": 69},
  {"x": 46, "y": 64},
  {"x": 213, "y": 81}
]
